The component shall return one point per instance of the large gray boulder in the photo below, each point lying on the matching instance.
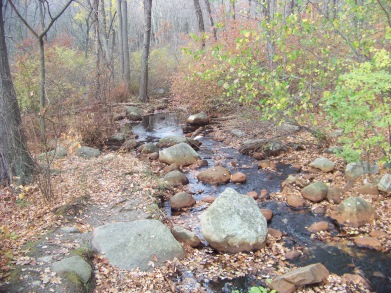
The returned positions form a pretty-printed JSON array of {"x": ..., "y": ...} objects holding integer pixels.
[
  {"x": 133, "y": 113},
  {"x": 74, "y": 264},
  {"x": 234, "y": 223},
  {"x": 181, "y": 154},
  {"x": 139, "y": 244},
  {"x": 354, "y": 211}
]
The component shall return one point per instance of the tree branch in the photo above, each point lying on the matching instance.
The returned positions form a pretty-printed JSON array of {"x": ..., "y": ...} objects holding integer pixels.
[
  {"x": 54, "y": 19},
  {"x": 22, "y": 19},
  {"x": 386, "y": 12}
]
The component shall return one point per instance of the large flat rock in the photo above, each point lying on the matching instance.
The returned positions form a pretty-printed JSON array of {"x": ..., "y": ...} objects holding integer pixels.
[
  {"x": 139, "y": 244},
  {"x": 181, "y": 154}
]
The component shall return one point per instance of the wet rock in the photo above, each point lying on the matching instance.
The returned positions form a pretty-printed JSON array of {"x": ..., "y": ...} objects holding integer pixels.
[
  {"x": 368, "y": 242},
  {"x": 288, "y": 181},
  {"x": 133, "y": 113},
  {"x": 319, "y": 226},
  {"x": 385, "y": 183},
  {"x": 370, "y": 189},
  {"x": 181, "y": 154},
  {"x": 149, "y": 148},
  {"x": 320, "y": 211},
  {"x": 308, "y": 275},
  {"x": 136, "y": 244},
  {"x": 233, "y": 223},
  {"x": 238, "y": 177},
  {"x": 274, "y": 233},
  {"x": 88, "y": 152},
  {"x": 182, "y": 200},
  {"x": 264, "y": 164},
  {"x": 357, "y": 280},
  {"x": 379, "y": 234},
  {"x": 74, "y": 264},
  {"x": 334, "y": 194},
  {"x": 130, "y": 144},
  {"x": 355, "y": 170},
  {"x": 268, "y": 214},
  {"x": 315, "y": 192},
  {"x": 209, "y": 199},
  {"x": 354, "y": 211},
  {"x": 264, "y": 195},
  {"x": 323, "y": 164},
  {"x": 198, "y": 119},
  {"x": 175, "y": 178},
  {"x": 171, "y": 140},
  {"x": 253, "y": 194},
  {"x": 296, "y": 201},
  {"x": 185, "y": 236},
  {"x": 215, "y": 175},
  {"x": 292, "y": 255}
]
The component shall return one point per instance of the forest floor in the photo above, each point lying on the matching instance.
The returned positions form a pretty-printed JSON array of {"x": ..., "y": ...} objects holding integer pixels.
[{"x": 119, "y": 186}]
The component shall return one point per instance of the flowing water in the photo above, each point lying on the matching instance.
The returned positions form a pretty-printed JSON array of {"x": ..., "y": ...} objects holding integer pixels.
[{"x": 339, "y": 259}]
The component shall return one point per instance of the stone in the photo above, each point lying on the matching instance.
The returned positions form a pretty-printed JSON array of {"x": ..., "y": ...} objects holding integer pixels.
[
  {"x": 252, "y": 194},
  {"x": 237, "y": 133},
  {"x": 323, "y": 164},
  {"x": 293, "y": 254},
  {"x": 355, "y": 170},
  {"x": 318, "y": 210},
  {"x": 357, "y": 280},
  {"x": 379, "y": 234},
  {"x": 74, "y": 264},
  {"x": 308, "y": 275},
  {"x": 274, "y": 233},
  {"x": 319, "y": 226},
  {"x": 333, "y": 150},
  {"x": 234, "y": 223},
  {"x": 385, "y": 183},
  {"x": 198, "y": 119},
  {"x": 181, "y": 154},
  {"x": 58, "y": 153},
  {"x": 290, "y": 180},
  {"x": 171, "y": 140},
  {"x": 149, "y": 148},
  {"x": 70, "y": 230},
  {"x": 296, "y": 201},
  {"x": 169, "y": 168},
  {"x": 133, "y": 113},
  {"x": 354, "y": 211},
  {"x": 153, "y": 156},
  {"x": 209, "y": 199},
  {"x": 334, "y": 194},
  {"x": 88, "y": 152},
  {"x": 130, "y": 144},
  {"x": 315, "y": 192},
  {"x": 368, "y": 242},
  {"x": 264, "y": 194},
  {"x": 136, "y": 244},
  {"x": 215, "y": 175},
  {"x": 370, "y": 189},
  {"x": 264, "y": 164},
  {"x": 175, "y": 178},
  {"x": 116, "y": 140},
  {"x": 185, "y": 236},
  {"x": 268, "y": 214},
  {"x": 238, "y": 177},
  {"x": 182, "y": 200}
]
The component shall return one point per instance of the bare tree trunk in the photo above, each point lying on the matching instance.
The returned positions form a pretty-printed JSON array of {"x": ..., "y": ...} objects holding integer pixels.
[
  {"x": 200, "y": 20},
  {"x": 143, "y": 93},
  {"x": 233, "y": 9},
  {"x": 15, "y": 160},
  {"x": 98, "y": 86},
  {"x": 126, "y": 45},
  {"x": 212, "y": 24},
  {"x": 120, "y": 40}
]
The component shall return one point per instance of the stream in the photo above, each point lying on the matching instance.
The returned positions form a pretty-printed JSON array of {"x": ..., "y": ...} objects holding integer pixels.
[{"x": 338, "y": 259}]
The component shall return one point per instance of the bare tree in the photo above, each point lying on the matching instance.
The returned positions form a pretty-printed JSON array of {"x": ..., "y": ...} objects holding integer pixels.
[
  {"x": 200, "y": 19},
  {"x": 41, "y": 40},
  {"x": 207, "y": 3},
  {"x": 14, "y": 156},
  {"x": 143, "y": 93}
]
